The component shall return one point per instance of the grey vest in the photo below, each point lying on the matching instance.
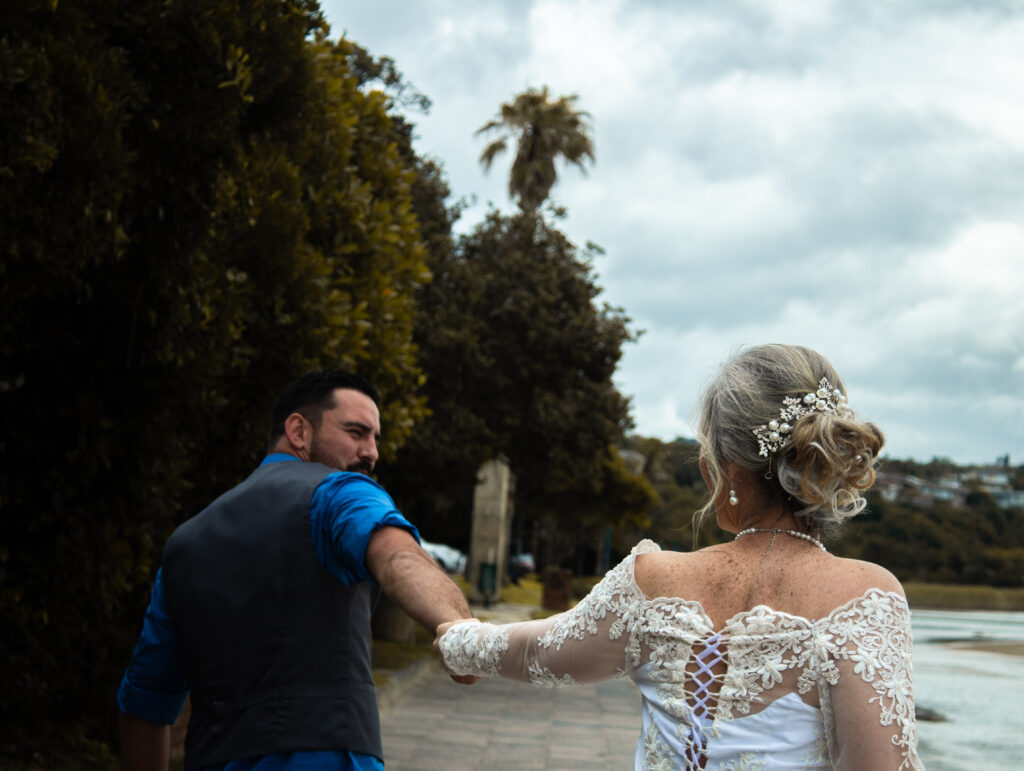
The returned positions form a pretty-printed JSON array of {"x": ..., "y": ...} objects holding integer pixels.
[{"x": 276, "y": 650}]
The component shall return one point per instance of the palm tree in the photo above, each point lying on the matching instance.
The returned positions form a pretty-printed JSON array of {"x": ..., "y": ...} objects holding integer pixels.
[{"x": 545, "y": 130}]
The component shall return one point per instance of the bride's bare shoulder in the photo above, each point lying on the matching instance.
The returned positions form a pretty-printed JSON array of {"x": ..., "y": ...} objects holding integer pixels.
[
  {"x": 664, "y": 573},
  {"x": 851, "y": 578}
]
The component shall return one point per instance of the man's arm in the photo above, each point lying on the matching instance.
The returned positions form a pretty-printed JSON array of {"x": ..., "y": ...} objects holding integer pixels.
[
  {"x": 145, "y": 746},
  {"x": 409, "y": 576},
  {"x": 152, "y": 690}
]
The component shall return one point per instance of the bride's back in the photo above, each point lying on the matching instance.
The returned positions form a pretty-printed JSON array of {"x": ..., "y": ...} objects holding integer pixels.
[{"x": 795, "y": 577}]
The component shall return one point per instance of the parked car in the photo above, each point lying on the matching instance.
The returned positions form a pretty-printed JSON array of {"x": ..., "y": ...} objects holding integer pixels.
[
  {"x": 449, "y": 558},
  {"x": 519, "y": 565},
  {"x": 524, "y": 562}
]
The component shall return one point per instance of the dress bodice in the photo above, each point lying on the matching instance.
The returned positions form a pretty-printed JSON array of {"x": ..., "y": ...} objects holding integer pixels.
[{"x": 766, "y": 690}]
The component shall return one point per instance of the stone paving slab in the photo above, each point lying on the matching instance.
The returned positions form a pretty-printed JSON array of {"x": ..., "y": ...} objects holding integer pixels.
[{"x": 498, "y": 724}]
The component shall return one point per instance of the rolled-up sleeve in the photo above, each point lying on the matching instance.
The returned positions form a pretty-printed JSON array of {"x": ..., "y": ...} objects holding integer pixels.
[
  {"x": 154, "y": 686},
  {"x": 347, "y": 508}
]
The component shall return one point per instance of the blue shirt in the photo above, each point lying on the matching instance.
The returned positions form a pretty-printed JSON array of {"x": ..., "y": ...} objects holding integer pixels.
[{"x": 345, "y": 511}]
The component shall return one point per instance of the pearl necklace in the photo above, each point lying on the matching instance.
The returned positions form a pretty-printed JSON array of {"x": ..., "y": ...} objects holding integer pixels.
[{"x": 775, "y": 531}]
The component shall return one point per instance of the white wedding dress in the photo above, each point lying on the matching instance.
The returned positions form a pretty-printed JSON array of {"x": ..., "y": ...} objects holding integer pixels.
[{"x": 768, "y": 691}]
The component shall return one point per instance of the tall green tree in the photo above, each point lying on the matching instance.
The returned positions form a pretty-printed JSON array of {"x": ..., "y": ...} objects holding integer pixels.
[
  {"x": 519, "y": 356},
  {"x": 198, "y": 202},
  {"x": 544, "y": 130}
]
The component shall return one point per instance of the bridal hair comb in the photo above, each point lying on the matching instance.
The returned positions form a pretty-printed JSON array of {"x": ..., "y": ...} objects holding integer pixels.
[{"x": 777, "y": 433}]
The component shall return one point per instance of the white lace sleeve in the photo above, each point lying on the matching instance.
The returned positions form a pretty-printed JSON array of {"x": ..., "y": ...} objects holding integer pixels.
[
  {"x": 871, "y": 711},
  {"x": 588, "y": 643}
]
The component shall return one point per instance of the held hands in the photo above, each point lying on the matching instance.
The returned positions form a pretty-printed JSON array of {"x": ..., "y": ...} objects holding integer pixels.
[{"x": 439, "y": 633}]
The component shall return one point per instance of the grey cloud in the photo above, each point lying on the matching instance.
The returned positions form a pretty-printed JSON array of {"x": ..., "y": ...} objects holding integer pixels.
[{"x": 789, "y": 172}]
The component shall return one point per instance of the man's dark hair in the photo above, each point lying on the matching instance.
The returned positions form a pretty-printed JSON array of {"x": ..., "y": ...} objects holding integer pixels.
[{"x": 313, "y": 393}]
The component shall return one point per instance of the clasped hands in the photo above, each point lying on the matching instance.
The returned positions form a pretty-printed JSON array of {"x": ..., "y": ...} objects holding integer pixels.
[{"x": 439, "y": 632}]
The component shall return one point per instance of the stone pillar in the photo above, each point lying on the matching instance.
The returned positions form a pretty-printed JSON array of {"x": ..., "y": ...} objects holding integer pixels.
[{"x": 488, "y": 550}]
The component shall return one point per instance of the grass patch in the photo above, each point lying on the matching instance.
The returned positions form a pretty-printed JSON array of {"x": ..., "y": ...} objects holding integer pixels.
[
  {"x": 581, "y": 585},
  {"x": 528, "y": 592},
  {"x": 539, "y": 613},
  {"x": 386, "y": 655},
  {"x": 960, "y": 597}
]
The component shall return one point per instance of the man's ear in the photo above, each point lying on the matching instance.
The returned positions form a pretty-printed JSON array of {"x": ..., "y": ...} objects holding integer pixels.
[{"x": 298, "y": 432}]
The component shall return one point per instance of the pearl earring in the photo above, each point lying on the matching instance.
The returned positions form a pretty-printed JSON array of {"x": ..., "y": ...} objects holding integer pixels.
[{"x": 733, "y": 500}]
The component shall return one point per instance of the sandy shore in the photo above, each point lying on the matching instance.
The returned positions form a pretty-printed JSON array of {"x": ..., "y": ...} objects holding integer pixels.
[{"x": 1006, "y": 647}]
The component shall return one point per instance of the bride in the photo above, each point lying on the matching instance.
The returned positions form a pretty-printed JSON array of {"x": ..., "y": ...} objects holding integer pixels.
[{"x": 765, "y": 652}]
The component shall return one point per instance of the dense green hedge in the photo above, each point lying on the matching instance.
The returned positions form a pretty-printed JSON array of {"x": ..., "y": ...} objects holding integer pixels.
[{"x": 198, "y": 202}]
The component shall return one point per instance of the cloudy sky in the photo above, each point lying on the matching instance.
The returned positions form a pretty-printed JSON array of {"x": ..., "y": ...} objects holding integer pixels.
[{"x": 848, "y": 176}]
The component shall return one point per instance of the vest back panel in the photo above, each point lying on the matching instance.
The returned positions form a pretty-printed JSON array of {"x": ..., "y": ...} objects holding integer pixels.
[{"x": 277, "y": 650}]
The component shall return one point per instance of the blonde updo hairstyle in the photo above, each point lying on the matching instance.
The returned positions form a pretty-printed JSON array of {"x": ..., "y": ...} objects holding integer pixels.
[{"x": 820, "y": 474}]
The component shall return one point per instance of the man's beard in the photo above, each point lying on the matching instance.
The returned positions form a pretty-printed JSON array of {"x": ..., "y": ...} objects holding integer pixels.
[{"x": 358, "y": 467}]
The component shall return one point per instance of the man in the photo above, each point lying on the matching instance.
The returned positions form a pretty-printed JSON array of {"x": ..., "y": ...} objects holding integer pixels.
[{"x": 262, "y": 606}]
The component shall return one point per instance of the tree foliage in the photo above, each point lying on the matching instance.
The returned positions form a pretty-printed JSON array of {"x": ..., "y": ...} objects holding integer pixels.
[
  {"x": 544, "y": 130},
  {"x": 520, "y": 358},
  {"x": 978, "y": 543},
  {"x": 198, "y": 203}
]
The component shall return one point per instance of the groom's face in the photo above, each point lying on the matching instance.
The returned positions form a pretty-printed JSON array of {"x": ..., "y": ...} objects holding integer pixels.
[{"x": 349, "y": 433}]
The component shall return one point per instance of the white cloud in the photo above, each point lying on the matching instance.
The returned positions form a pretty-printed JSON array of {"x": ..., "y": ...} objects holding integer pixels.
[{"x": 847, "y": 176}]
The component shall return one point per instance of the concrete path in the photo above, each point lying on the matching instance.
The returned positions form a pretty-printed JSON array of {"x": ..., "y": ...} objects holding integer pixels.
[
  {"x": 434, "y": 723},
  {"x": 496, "y": 724}
]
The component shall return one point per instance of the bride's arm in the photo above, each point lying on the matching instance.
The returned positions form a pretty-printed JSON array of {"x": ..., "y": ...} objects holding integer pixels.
[
  {"x": 588, "y": 643},
  {"x": 873, "y": 698}
]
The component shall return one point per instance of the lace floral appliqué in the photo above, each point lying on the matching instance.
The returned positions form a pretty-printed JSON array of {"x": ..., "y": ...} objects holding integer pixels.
[
  {"x": 543, "y": 676},
  {"x": 474, "y": 649}
]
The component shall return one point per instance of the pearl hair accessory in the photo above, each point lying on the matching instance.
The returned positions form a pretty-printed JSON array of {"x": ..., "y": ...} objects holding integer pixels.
[
  {"x": 775, "y": 531},
  {"x": 733, "y": 500},
  {"x": 776, "y": 434}
]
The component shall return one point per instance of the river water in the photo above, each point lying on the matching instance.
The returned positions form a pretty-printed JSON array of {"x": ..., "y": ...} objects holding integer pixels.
[{"x": 980, "y": 694}]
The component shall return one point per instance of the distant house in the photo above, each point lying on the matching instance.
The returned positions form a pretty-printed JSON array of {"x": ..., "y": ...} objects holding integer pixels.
[
  {"x": 992, "y": 479},
  {"x": 904, "y": 488},
  {"x": 997, "y": 482},
  {"x": 893, "y": 486},
  {"x": 1009, "y": 499}
]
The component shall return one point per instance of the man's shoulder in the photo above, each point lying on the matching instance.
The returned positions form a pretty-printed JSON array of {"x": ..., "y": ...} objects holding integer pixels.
[
  {"x": 275, "y": 474},
  {"x": 291, "y": 467},
  {"x": 352, "y": 482}
]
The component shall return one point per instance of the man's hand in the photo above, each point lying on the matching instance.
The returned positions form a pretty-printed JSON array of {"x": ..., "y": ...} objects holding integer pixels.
[{"x": 439, "y": 633}]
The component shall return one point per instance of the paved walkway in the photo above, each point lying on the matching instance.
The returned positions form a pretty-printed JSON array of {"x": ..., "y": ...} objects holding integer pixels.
[{"x": 434, "y": 723}]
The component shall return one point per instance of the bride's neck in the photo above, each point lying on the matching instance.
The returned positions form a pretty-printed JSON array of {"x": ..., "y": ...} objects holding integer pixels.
[{"x": 768, "y": 517}]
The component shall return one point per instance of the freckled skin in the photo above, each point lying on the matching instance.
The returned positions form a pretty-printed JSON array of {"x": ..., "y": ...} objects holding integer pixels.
[{"x": 795, "y": 577}]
